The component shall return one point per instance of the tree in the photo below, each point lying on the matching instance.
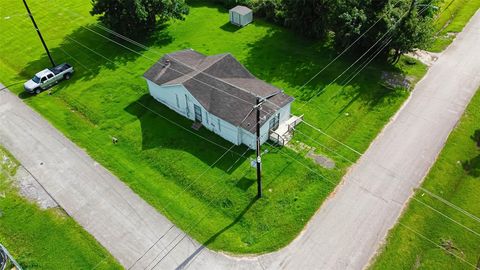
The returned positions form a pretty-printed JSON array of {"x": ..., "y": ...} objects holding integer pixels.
[
  {"x": 407, "y": 24},
  {"x": 413, "y": 30},
  {"x": 137, "y": 17},
  {"x": 310, "y": 17}
]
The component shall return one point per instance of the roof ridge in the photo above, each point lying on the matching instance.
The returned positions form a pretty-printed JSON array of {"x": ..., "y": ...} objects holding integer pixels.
[
  {"x": 199, "y": 71},
  {"x": 196, "y": 71}
]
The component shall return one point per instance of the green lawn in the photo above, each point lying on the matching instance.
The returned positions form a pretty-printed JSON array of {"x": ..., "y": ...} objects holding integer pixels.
[
  {"x": 44, "y": 239},
  {"x": 169, "y": 165},
  {"x": 455, "y": 177},
  {"x": 455, "y": 14}
]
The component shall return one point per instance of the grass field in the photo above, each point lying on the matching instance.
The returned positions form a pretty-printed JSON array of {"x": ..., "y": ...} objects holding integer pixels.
[
  {"x": 455, "y": 14},
  {"x": 44, "y": 239},
  {"x": 169, "y": 165},
  {"x": 440, "y": 242}
]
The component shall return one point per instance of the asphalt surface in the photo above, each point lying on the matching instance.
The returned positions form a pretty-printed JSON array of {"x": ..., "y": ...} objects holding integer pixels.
[{"x": 344, "y": 234}]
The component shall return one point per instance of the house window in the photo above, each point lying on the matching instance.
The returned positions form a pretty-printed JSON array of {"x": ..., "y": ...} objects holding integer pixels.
[
  {"x": 274, "y": 123},
  {"x": 186, "y": 105},
  {"x": 198, "y": 113},
  {"x": 219, "y": 126},
  {"x": 178, "y": 102}
]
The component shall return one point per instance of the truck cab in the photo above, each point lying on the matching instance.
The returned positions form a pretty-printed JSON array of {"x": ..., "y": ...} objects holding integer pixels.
[{"x": 48, "y": 77}]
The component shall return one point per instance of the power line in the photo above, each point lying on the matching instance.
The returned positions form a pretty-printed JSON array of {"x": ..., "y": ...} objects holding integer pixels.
[
  {"x": 429, "y": 206},
  {"x": 211, "y": 166},
  {"x": 361, "y": 69},
  {"x": 429, "y": 240},
  {"x": 228, "y": 150},
  {"x": 146, "y": 48},
  {"x": 367, "y": 64}
]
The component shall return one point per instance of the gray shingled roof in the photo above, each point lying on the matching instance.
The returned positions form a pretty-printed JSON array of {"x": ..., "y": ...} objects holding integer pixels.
[
  {"x": 222, "y": 85},
  {"x": 242, "y": 10}
]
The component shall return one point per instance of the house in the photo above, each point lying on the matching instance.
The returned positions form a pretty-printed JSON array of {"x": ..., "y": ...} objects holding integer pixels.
[
  {"x": 241, "y": 15},
  {"x": 220, "y": 93}
]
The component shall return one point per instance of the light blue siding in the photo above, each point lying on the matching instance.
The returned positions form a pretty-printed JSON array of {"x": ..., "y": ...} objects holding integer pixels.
[
  {"x": 249, "y": 139},
  {"x": 169, "y": 95},
  {"x": 239, "y": 19}
]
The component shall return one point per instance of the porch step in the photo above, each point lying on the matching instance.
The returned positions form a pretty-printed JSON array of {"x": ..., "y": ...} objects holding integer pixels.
[
  {"x": 284, "y": 133},
  {"x": 196, "y": 125}
]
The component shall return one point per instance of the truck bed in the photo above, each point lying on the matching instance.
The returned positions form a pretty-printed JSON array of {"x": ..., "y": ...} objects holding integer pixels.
[{"x": 60, "y": 68}]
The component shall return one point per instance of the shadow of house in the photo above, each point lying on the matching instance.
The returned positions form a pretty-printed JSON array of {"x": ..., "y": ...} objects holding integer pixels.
[
  {"x": 90, "y": 49},
  {"x": 164, "y": 128}
]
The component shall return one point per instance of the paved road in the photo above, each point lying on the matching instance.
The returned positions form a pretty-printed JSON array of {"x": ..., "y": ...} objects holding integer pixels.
[{"x": 344, "y": 234}]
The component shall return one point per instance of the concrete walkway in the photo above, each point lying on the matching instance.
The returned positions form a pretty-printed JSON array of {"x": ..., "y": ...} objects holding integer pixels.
[{"x": 344, "y": 234}]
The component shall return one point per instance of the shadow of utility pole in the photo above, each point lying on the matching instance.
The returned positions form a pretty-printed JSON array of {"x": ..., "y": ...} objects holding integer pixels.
[{"x": 213, "y": 237}]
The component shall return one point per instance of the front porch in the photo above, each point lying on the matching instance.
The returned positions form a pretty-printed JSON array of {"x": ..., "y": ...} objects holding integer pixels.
[{"x": 284, "y": 133}]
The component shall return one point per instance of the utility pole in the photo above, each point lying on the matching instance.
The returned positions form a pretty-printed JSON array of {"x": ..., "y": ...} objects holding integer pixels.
[
  {"x": 4, "y": 251},
  {"x": 259, "y": 158},
  {"x": 39, "y": 34}
]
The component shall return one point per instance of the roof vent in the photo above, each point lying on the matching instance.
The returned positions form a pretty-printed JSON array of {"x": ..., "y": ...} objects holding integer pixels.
[{"x": 167, "y": 63}]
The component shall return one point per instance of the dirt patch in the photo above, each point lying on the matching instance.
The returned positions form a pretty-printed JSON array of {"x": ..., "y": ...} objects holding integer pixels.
[
  {"x": 428, "y": 58},
  {"x": 321, "y": 160},
  {"x": 32, "y": 190}
]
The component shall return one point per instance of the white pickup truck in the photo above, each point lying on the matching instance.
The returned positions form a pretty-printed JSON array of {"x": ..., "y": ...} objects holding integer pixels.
[{"x": 48, "y": 77}]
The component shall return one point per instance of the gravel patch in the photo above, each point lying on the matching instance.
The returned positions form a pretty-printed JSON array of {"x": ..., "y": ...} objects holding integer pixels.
[{"x": 32, "y": 190}]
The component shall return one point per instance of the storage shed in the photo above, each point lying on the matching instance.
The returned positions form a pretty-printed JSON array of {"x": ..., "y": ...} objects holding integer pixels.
[{"x": 241, "y": 15}]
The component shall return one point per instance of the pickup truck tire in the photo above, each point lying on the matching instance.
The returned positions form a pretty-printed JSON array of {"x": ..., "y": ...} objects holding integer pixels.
[
  {"x": 37, "y": 91},
  {"x": 67, "y": 76}
]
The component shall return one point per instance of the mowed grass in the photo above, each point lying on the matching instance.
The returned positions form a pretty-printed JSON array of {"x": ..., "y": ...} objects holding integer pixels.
[
  {"x": 454, "y": 15},
  {"x": 44, "y": 239},
  {"x": 183, "y": 173},
  {"x": 424, "y": 238}
]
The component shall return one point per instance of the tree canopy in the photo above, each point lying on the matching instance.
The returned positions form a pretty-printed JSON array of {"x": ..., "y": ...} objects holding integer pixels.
[
  {"x": 403, "y": 24},
  {"x": 137, "y": 17},
  {"x": 400, "y": 25}
]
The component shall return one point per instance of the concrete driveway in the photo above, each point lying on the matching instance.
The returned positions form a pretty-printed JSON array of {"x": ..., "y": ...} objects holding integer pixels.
[{"x": 344, "y": 234}]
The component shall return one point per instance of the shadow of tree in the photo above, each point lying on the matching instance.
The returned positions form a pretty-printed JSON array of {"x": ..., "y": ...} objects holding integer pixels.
[
  {"x": 211, "y": 4},
  {"x": 476, "y": 137},
  {"x": 284, "y": 56},
  {"x": 472, "y": 166},
  {"x": 367, "y": 89},
  {"x": 158, "y": 131},
  {"x": 90, "y": 52}
]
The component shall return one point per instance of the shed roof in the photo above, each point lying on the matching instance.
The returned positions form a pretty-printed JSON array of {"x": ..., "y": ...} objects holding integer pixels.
[
  {"x": 242, "y": 10},
  {"x": 223, "y": 86}
]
